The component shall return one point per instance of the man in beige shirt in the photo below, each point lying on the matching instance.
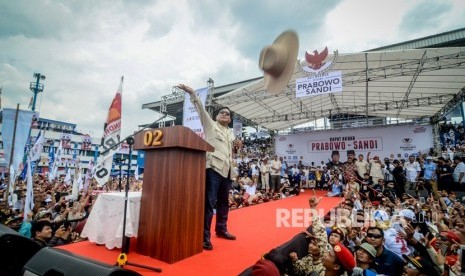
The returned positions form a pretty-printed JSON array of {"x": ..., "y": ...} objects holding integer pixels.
[
  {"x": 362, "y": 166},
  {"x": 219, "y": 168},
  {"x": 275, "y": 171}
]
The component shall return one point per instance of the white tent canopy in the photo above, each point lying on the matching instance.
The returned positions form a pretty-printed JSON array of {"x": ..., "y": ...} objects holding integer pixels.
[{"x": 402, "y": 84}]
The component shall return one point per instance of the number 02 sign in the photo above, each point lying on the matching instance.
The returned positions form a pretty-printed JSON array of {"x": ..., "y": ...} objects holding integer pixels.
[{"x": 153, "y": 138}]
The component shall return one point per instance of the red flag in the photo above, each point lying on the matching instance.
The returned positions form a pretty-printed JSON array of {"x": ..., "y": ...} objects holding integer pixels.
[{"x": 111, "y": 137}]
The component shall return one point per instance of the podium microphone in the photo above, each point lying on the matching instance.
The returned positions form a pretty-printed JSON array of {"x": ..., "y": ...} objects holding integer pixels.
[{"x": 151, "y": 125}]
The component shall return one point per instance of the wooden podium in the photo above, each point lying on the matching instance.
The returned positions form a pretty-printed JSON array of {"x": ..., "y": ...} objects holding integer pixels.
[{"x": 173, "y": 196}]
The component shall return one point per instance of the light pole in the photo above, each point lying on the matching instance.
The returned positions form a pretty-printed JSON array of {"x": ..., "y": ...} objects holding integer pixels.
[{"x": 36, "y": 87}]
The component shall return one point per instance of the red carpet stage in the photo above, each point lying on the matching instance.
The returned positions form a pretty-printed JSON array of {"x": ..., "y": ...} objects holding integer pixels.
[{"x": 256, "y": 230}]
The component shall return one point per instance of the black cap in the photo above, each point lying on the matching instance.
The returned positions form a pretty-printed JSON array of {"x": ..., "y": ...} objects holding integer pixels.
[
  {"x": 350, "y": 152},
  {"x": 335, "y": 152}
]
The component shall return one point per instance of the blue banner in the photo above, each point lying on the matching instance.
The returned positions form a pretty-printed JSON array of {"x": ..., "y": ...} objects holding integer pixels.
[{"x": 140, "y": 158}]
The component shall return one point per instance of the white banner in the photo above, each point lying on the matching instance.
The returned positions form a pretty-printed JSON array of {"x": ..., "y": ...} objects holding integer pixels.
[
  {"x": 237, "y": 127},
  {"x": 315, "y": 85},
  {"x": 23, "y": 125},
  {"x": 191, "y": 118},
  {"x": 29, "y": 203},
  {"x": 396, "y": 142}
]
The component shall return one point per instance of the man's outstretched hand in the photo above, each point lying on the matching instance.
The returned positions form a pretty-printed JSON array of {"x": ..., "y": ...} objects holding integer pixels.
[
  {"x": 186, "y": 88},
  {"x": 313, "y": 201}
]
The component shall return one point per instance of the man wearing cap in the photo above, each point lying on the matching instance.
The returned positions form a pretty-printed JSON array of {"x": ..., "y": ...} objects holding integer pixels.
[
  {"x": 338, "y": 260},
  {"x": 365, "y": 256},
  {"x": 264, "y": 268},
  {"x": 219, "y": 168}
]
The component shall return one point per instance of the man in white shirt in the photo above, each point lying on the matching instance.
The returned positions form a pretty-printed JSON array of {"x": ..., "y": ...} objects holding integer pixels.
[
  {"x": 412, "y": 172},
  {"x": 265, "y": 174},
  {"x": 459, "y": 174},
  {"x": 255, "y": 172}
]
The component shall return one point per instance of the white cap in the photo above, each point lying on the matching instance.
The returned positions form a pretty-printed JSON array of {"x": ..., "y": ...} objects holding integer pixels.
[
  {"x": 381, "y": 215},
  {"x": 407, "y": 213}
]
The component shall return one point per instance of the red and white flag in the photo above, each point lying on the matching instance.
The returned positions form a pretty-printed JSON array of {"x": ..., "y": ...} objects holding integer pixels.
[{"x": 111, "y": 137}]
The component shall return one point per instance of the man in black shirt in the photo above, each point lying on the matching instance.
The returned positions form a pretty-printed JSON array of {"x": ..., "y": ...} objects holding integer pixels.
[
  {"x": 399, "y": 178},
  {"x": 334, "y": 164},
  {"x": 444, "y": 173}
]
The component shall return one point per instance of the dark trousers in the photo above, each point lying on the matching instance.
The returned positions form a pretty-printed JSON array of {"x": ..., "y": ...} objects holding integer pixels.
[{"x": 216, "y": 194}]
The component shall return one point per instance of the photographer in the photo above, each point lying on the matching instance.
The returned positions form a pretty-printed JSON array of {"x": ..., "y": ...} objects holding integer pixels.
[
  {"x": 287, "y": 189},
  {"x": 63, "y": 235},
  {"x": 421, "y": 185}
]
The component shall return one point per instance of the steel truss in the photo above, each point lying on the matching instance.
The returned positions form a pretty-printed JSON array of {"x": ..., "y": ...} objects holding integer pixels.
[{"x": 411, "y": 68}]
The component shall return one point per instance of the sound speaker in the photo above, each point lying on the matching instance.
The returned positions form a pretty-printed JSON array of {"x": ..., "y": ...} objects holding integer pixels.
[
  {"x": 57, "y": 262},
  {"x": 15, "y": 251}
]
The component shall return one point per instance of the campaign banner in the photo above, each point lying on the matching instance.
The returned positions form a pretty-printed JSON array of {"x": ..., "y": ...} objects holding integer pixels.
[
  {"x": 66, "y": 140},
  {"x": 86, "y": 143},
  {"x": 23, "y": 126},
  {"x": 325, "y": 83},
  {"x": 191, "y": 118},
  {"x": 393, "y": 142}
]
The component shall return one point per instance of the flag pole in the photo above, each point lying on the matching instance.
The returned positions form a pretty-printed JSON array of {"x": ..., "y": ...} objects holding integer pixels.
[{"x": 11, "y": 159}]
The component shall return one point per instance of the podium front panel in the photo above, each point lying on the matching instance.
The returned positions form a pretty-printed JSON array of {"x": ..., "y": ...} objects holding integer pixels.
[{"x": 172, "y": 204}]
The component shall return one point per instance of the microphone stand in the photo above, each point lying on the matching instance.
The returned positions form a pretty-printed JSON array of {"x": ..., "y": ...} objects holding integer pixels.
[{"x": 122, "y": 259}]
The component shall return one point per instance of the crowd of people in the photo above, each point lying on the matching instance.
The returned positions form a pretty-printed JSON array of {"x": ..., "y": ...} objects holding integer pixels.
[
  {"x": 395, "y": 216},
  {"x": 57, "y": 217}
]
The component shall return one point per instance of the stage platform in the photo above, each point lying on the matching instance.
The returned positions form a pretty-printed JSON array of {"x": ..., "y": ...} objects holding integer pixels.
[{"x": 256, "y": 230}]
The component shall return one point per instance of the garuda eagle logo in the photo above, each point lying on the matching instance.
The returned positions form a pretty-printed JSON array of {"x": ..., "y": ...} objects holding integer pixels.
[{"x": 316, "y": 61}]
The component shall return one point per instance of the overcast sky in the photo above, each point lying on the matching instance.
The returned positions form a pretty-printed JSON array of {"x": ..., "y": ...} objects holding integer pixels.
[{"x": 83, "y": 47}]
